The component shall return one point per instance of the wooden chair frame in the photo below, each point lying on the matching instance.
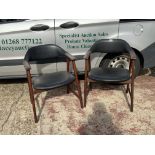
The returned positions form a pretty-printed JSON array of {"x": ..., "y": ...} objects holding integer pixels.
[
  {"x": 129, "y": 83},
  {"x": 33, "y": 91}
]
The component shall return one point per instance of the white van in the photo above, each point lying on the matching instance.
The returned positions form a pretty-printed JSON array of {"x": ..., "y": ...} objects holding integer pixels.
[{"x": 75, "y": 36}]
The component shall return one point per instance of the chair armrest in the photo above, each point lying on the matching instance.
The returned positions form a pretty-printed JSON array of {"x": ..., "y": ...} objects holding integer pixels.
[
  {"x": 26, "y": 65},
  {"x": 132, "y": 55},
  {"x": 87, "y": 54},
  {"x": 71, "y": 57}
]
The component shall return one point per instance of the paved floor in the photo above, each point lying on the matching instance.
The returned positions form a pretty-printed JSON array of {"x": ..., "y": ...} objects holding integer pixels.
[{"x": 107, "y": 111}]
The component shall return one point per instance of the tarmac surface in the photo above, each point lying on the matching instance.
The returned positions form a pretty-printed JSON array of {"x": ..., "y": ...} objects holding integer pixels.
[{"x": 107, "y": 110}]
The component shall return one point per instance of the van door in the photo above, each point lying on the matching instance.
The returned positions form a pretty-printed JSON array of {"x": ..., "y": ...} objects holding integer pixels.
[
  {"x": 16, "y": 37},
  {"x": 77, "y": 36}
]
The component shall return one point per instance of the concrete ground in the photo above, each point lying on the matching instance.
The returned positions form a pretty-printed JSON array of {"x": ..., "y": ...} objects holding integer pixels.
[{"x": 107, "y": 110}]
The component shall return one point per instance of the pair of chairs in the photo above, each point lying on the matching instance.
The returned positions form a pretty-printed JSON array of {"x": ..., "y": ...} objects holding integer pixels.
[{"x": 53, "y": 53}]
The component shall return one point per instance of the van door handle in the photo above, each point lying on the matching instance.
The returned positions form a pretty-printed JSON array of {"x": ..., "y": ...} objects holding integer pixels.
[
  {"x": 39, "y": 27},
  {"x": 69, "y": 25}
]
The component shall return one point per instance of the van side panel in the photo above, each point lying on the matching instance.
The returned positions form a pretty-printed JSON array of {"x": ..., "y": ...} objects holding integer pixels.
[{"x": 139, "y": 34}]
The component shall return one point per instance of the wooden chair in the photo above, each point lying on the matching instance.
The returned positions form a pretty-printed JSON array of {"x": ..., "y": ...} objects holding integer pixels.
[
  {"x": 50, "y": 54},
  {"x": 110, "y": 75}
]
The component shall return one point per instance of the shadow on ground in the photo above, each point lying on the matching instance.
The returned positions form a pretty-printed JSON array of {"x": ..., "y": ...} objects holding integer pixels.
[
  {"x": 99, "y": 122},
  {"x": 13, "y": 81}
]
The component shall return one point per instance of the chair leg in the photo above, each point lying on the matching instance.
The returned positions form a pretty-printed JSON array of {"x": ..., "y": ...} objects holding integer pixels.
[
  {"x": 132, "y": 84},
  {"x": 85, "y": 92},
  {"x": 132, "y": 96},
  {"x": 79, "y": 92},
  {"x": 77, "y": 84},
  {"x": 68, "y": 63},
  {"x": 33, "y": 106},
  {"x": 127, "y": 89},
  {"x": 32, "y": 95}
]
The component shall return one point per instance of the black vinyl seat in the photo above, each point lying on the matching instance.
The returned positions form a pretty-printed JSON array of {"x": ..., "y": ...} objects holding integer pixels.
[
  {"x": 110, "y": 75},
  {"x": 52, "y": 80},
  {"x": 50, "y": 53}
]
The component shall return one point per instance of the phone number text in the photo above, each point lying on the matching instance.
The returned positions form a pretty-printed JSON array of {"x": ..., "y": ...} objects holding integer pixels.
[{"x": 21, "y": 41}]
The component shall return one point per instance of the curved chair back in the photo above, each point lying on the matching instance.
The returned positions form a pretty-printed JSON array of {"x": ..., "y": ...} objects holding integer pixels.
[
  {"x": 43, "y": 53},
  {"x": 110, "y": 46}
]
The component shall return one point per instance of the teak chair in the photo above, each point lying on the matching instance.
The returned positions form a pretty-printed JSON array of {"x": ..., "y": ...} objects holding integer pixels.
[
  {"x": 50, "y": 53},
  {"x": 110, "y": 75}
]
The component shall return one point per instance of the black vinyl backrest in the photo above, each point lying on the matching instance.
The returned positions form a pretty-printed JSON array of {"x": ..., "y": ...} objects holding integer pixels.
[
  {"x": 110, "y": 46},
  {"x": 43, "y": 53}
]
